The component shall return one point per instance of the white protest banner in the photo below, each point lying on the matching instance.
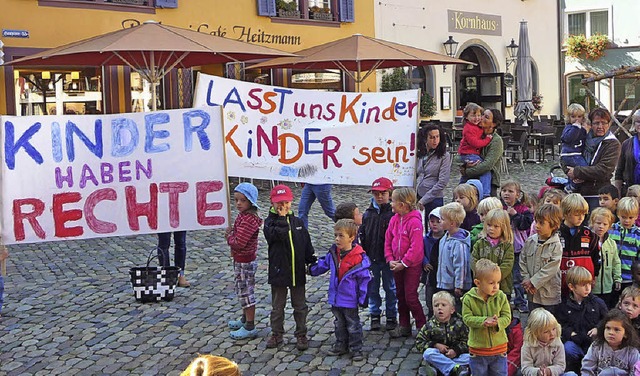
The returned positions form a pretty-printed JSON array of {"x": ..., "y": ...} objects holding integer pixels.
[
  {"x": 74, "y": 177},
  {"x": 314, "y": 136}
]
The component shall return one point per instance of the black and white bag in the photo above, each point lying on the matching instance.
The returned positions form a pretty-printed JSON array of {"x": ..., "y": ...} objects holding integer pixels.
[{"x": 154, "y": 283}]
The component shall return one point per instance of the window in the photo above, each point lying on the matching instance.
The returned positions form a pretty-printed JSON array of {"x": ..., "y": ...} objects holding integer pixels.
[
  {"x": 624, "y": 88},
  {"x": 578, "y": 93},
  {"x": 143, "y": 6},
  {"x": 321, "y": 10},
  {"x": 588, "y": 23}
]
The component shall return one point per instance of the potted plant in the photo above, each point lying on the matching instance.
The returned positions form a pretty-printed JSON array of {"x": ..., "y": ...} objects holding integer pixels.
[
  {"x": 287, "y": 8},
  {"x": 317, "y": 13}
]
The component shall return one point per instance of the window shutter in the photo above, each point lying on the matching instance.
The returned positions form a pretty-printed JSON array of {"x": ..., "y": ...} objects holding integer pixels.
[
  {"x": 166, "y": 3},
  {"x": 346, "y": 11},
  {"x": 267, "y": 8}
]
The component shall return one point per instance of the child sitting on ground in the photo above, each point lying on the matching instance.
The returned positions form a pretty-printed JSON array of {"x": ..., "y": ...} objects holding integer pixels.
[
  {"x": 573, "y": 140},
  {"x": 626, "y": 235},
  {"x": 609, "y": 276},
  {"x": 454, "y": 269},
  {"x": 349, "y": 267},
  {"x": 243, "y": 241},
  {"x": 443, "y": 339},
  {"x": 496, "y": 244},
  {"x": 486, "y": 311},
  {"x": 579, "y": 315},
  {"x": 431, "y": 256},
  {"x": 484, "y": 206},
  {"x": 543, "y": 352},
  {"x": 540, "y": 260},
  {"x": 473, "y": 140}
]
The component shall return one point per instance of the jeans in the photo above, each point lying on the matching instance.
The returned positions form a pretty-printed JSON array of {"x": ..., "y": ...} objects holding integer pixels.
[
  {"x": 309, "y": 194},
  {"x": 488, "y": 365},
  {"x": 485, "y": 178},
  {"x": 573, "y": 354},
  {"x": 441, "y": 362},
  {"x": 381, "y": 269},
  {"x": 429, "y": 290},
  {"x": 1, "y": 292},
  {"x": 436, "y": 203},
  {"x": 180, "y": 248},
  {"x": 300, "y": 309},
  {"x": 573, "y": 161},
  {"x": 407, "y": 281},
  {"x": 519, "y": 297},
  {"x": 348, "y": 328}
]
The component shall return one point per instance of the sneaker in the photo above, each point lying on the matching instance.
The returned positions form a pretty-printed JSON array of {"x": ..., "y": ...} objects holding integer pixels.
[
  {"x": 243, "y": 333},
  {"x": 357, "y": 356},
  {"x": 182, "y": 282},
  {"x": 302, "y": 343},
  {"x": 375, "y": 323},
  {"x": 523, "y": 308},
  {"x": 235, "y": 324},
  {"x": 392, "y": 323},
  {"x": 428, "y": 370},
  {"x": 337, "y": 350},
  {"x": 460, "y": 370},
  {"x": 274, "y": 341},
  {"x": 400, "y": 331}
]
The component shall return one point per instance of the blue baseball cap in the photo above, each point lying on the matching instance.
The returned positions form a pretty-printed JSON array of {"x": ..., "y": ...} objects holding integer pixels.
[{"x": 249, "y": 191}]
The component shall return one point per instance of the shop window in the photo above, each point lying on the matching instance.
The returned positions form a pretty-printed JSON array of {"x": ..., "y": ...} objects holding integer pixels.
[
  {"x": 625, "y": 90},
  {"x": 577, "y": 93},
  {"x": 326, "y": 80},
  {"x": 588, "y": 23},
  {"x": 141, "y": 94}
]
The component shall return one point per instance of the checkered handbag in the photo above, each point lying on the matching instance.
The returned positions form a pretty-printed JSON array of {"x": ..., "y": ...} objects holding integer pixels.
[{"x": 154, "y": 283}]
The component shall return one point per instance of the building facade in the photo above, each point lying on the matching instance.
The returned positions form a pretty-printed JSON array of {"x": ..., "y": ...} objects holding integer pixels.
[
  {"x": 615, "y": 19},
  {"x": 51, "y": 23},
  {"x": 482, "y": 30}
]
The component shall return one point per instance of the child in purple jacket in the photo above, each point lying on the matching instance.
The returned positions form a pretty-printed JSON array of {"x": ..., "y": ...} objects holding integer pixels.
[{"x": 350, "y": 277}]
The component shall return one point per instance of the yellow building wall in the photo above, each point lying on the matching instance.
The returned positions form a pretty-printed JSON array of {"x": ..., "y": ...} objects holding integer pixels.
[{"x": 54, "y": 26}]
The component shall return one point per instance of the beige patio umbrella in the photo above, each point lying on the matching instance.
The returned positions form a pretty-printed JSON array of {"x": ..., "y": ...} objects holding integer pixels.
[
  {"x": 359, "y": 54},
  {"x": 152, "y": 50}
]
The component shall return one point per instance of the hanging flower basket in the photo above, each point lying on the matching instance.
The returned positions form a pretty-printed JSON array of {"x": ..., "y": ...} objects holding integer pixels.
[{"x": 592, "y": 48}]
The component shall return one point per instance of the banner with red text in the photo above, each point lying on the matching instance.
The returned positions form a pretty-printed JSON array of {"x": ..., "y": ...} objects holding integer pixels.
[
  {"x": 85, "y": 176},
  {"x": 314, "y": 136}
]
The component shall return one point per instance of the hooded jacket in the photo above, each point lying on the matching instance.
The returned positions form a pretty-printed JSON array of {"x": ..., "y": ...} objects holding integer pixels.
[
  {"x": 540, "y": 264},
  {"x": 290, "y": 249},
  {"x": 473, "y": 139},
  {"x": 453, "y": 334},
  {"x": 602, "y": 360},
  {"x": 536, "y": 356},
  {"x": 628, "y": 244},
  {"x": 601, "y": 166},
  {"x": 243, "y": 238},
  {"x": 610, "y": 267},
  {"x": 475, "y": 310},
  {"x": 350, "y": 290},
  {"x": 375, "y": 222},
  {"x": 403, "y": 239},
  {"x": 454, "y": 263},
  {"x": 501, "y": 254},
  {"x": 580, "y": 318}
]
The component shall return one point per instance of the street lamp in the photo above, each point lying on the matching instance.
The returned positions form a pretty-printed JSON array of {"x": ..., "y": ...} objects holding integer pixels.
[
  {"x": 450, "y": 48},
  {"x": 512, "y": 53}
]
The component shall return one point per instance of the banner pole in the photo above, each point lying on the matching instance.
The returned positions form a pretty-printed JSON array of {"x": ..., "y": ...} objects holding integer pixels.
[{"x": 226, "y": 166}]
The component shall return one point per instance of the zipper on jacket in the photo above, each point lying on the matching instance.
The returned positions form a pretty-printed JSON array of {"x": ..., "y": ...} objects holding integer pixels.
[{"x": 293, "y": 254}]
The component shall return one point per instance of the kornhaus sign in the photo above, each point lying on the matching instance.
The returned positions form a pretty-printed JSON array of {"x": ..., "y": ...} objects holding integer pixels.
[{"x": 474, "y": 23}]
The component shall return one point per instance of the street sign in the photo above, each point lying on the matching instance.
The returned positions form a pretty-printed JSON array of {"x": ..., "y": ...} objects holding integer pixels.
[{"x": 7, "y": 33}]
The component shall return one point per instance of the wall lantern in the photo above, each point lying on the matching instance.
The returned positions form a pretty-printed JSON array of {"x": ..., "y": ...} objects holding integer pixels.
[
  {"x": 450, "y": 48},
  {"x": 512, "y": 53}
]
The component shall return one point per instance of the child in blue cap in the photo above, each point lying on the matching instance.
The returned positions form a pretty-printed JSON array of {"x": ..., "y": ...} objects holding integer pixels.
[{"x": 243, "y": 240}]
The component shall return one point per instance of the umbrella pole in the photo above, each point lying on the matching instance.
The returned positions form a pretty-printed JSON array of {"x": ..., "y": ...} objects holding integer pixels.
[
  {"x": 358, "y": 78},
  {"x": 154, "y": 82}
]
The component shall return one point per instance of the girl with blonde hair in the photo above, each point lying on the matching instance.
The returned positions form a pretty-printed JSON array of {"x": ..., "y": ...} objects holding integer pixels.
[
  {"x": 543, "y": 351},
  {"x": 211, "y": 365}
]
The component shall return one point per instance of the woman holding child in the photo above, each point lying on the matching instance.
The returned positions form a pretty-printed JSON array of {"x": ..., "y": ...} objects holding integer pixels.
[
  {"x": 491, "y": 154},
  {"x": 433, "y": 169},
  {"x": 601, "y": 151}
]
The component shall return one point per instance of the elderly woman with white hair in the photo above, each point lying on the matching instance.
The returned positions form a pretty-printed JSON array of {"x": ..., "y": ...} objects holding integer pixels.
[{"x": 628, "y": 169}]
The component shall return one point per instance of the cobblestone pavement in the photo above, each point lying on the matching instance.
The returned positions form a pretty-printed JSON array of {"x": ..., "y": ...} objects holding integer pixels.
[{"x": 69, "y": 308}]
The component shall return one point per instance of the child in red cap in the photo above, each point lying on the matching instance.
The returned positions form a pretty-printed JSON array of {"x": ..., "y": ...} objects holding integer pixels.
[{"x": 290, "y": 251}]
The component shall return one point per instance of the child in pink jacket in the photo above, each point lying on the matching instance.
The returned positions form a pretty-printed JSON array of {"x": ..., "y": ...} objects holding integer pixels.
[{"x": 404, "y": 251}]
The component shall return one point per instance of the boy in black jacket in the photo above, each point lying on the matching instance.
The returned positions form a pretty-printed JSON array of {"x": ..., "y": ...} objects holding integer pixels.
[
  {"x": 287, "y": 235},
  {"x": 371, "y": 234},
  {"x": 579, "y": 315}
]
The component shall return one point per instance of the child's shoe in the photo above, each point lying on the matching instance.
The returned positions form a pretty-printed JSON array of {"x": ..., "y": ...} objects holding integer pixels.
[
  {"x": 243, "y": 333},
  {"x": 357, "y": 356},
  {"x": 427, "y": 370},
  {"x": 235, "y": 324},
  {"x": 302, "y": 343},
  {"x": 523, "y": 308},
  {"x": 460, "y": 370},
  {"x": 337, "y": 350},
  {"x": 392, "y": 323},
  {"x": 400, "y": 331},
  {"x": 274, "y": 341},
  {"x": 375, "y": 323}
]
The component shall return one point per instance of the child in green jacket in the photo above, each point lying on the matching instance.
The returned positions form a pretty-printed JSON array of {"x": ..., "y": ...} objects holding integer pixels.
[
  {"x": 483, "y": 208},
  {"x": 486, "y": 311},
  {"x": 610, "y": 276}
]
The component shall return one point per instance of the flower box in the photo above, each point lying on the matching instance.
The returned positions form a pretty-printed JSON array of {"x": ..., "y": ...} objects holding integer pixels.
[
  {"x": 321, "y": 16},
  {"x": 288, "y": 13}
]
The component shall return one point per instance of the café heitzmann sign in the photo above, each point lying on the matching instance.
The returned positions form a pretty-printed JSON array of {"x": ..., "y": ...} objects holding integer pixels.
[
  {"x": 255, "y": 35},
  {"x": 474, "y": 23}
]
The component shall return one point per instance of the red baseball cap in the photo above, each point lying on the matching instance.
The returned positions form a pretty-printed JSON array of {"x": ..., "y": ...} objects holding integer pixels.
[
  {"x": 381, "y": 184},
  {"x": 281, "y": 193}
]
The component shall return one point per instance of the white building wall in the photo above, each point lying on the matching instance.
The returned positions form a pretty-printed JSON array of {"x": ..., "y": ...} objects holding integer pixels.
[{"x": 424, "y": 24}]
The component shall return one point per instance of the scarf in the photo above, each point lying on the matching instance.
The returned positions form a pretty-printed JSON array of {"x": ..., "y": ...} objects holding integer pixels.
[
  {"x": 636, "y": 157},
  {"x": 591, "y": 145}
]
